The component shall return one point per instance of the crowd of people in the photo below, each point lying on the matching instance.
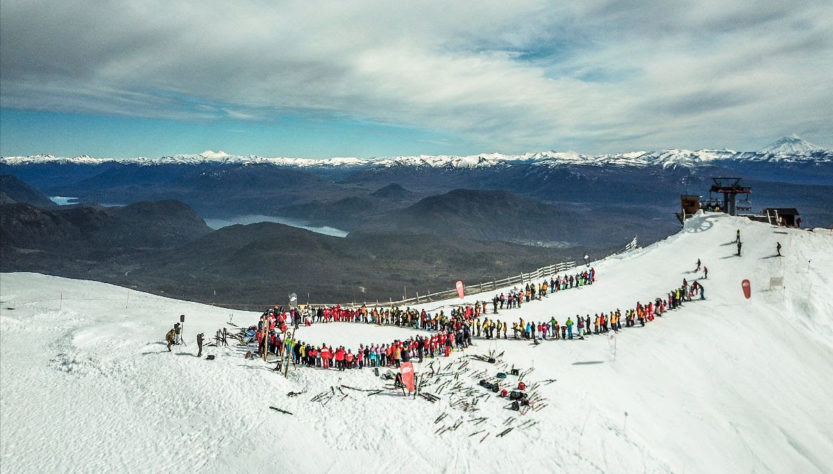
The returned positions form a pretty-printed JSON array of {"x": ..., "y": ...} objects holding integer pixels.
[{"x": 453, "y": 331}]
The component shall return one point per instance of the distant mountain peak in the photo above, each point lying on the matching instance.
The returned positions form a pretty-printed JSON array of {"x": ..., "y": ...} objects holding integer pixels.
[
  {"x": 791, "y": 145},
  {"x": 214, "y": 155},
  {"x": 787, "y": 149},
  {"x": 393, "y": 190}
]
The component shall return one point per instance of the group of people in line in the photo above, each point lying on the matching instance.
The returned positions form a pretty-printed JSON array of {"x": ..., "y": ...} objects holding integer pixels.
[
  {"x": 451, "y": 331},
  {"x": 442, "y": 343},
  {"x": 515, "y": 297},
  {"x": 456, "y": 330}
]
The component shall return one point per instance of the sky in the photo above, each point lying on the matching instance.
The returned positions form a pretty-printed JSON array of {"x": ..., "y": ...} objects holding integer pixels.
[{"x": 381, "y": 78}]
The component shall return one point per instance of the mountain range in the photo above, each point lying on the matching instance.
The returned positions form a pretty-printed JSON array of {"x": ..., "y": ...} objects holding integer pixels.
[
  {"x": 410, "y": 219},
  {"x": 785, "y": 149}
]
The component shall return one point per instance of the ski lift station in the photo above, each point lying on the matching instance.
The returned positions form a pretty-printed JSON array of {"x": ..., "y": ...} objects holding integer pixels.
[{"x": 729, "y": 195}]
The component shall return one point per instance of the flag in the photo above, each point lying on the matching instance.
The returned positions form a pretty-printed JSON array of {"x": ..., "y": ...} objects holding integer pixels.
[
  {"x": 407, "y": 371},
  {"x": 747, "y": 291}
]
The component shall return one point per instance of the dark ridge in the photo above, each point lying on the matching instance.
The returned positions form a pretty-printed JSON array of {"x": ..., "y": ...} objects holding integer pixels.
[{"x": 13, "y": 189}]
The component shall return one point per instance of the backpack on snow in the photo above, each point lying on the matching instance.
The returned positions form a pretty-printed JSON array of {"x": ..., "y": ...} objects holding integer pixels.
[{"x": 516, "y": 395}]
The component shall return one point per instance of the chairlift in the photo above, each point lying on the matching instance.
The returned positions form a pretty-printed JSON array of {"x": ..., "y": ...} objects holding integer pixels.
[{"x": 744, "y": 204}]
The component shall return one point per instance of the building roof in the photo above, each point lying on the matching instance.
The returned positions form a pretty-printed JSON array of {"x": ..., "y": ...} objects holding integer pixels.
[{"x": 783, "y": 210}]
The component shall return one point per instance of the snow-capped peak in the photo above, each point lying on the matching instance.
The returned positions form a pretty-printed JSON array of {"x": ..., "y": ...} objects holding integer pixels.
[
  {"x": 791, "y": 149},
  {"x": 214, "y": 155},
  {"x": 792, "y": 145}
]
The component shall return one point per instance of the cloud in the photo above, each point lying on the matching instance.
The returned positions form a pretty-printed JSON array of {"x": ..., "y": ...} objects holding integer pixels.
[{"x": 509, "y": 76}]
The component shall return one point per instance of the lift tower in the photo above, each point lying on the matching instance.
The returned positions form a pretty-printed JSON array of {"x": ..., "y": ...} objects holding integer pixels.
[{"x": 730, "y": 188}]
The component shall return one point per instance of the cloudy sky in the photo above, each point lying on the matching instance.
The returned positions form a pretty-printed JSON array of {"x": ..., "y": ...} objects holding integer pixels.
[{"x": 379, "y": 78}]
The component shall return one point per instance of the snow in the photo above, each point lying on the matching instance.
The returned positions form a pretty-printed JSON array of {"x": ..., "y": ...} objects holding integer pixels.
[
  {"x": 789, "y": 149},
  {"x": 214, "y": 155},
  {"x": 792, "y": 145},
  {"x": 721, "y": 385}
]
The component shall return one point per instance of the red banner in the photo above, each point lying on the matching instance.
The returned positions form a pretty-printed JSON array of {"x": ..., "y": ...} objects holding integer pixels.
[
  {"x": 461, "y": 289},
  {"x": 407, "y": 371},
  {"x": 747, "y": 291}
]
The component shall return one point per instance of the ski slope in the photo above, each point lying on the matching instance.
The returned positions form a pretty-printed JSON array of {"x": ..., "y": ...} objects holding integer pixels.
[{"x": 721, "y": 385}]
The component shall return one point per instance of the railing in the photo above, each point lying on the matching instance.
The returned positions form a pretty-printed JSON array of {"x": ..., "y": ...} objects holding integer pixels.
[{"x": 520, "y": 279}]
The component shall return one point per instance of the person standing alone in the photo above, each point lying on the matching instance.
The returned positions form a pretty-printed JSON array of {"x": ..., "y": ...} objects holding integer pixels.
[
  {"x": 170, "y": 338},
  {"x": 199, "y": 344}
]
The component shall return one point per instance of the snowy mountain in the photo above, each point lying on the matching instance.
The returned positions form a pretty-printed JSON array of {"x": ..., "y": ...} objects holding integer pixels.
[
  {"x": 725, "y": 384},
  {"x": 786, "y": 149},
  {"x": 792, "y": 145}
]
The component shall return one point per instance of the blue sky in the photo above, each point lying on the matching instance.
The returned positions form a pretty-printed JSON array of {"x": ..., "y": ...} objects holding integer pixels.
[
  {"x": 26, "y": 132},
  {"x": 378, "y": 78}
]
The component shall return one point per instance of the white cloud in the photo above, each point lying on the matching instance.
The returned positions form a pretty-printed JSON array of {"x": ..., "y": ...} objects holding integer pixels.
[{"x": 511, "y": 76}]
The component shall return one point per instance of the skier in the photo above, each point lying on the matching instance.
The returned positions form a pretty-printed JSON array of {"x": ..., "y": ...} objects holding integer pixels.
[
  {"x": 778, "y": 248},
  {"x": 705, "y": 272},
  {"x": 739, "y": 246},
  {"x": 569, "y": 328},
  {"x": 737, "y": 236},
  {"x": 199, "y": 344},
  {"x": 325, "y": 357},
  {"x": 170, "y": 338},
  {"x": 698, "y": 266},
  {"x": 177, "y": 333}
]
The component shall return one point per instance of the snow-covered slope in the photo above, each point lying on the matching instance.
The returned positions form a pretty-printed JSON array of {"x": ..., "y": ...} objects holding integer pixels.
[{"x": 721, "y": 385}]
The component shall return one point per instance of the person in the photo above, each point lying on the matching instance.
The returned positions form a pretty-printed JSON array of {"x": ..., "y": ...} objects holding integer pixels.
[
  {"x": 340, "y": 358},
  {"x": 737, "y": 236},
  {"x": 199, "y": 344},
  {"x": 739, "y": 246},
  {"x": 170, "y": 338},
  {"x": 325, "y": 357},
  {"x": 178, "y": 333},
  {"x": 705, "y": 272},
  {"x": 698, "y": 266},
  {"x": 778, "y": 248}
]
